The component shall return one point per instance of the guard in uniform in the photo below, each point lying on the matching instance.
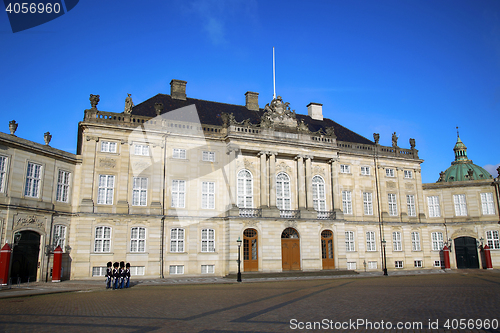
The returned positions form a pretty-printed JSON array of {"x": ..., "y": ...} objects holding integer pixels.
[
  {"x": 122, "y": 273},
  {"x": 127, "y": 275},
  {"x": 116, "y": 275},
  {"x": 109, "y": 275}
]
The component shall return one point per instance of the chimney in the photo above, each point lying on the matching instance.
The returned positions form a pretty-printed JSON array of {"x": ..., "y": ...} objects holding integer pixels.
[
  {"x": 252, "y": 100},
  {"x": 178, "y": 89},
  {"x": 315, "y": 111}
]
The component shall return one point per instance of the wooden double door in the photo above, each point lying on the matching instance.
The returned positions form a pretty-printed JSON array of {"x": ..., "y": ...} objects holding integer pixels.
[
  {"x": 327, "y": 249},
  {"x": 466, "y": 252},
  {"x": 290, "y": 250},
  {"x": 250, "y": 251}
]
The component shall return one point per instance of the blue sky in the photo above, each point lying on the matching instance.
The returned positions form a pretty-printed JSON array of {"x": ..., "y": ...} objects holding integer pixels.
[{"x": 418, "y": 68}]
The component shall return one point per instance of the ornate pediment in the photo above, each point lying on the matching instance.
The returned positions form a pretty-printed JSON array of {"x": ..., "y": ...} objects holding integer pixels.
[{"x": 278, "y": 114}]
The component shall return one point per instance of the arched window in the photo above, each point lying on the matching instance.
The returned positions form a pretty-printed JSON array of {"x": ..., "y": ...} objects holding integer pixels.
[
  {"x": 245, "y": 189},
  {"x": 283, "y": 196},
  {"x": 319, "y": 198}
]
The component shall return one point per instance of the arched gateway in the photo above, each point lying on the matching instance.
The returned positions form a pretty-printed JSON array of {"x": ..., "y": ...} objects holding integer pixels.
[
  {"x": 466, "y": 252},
  {"x": 25, "y": 256},
  {"x": 290, "y": 250}
]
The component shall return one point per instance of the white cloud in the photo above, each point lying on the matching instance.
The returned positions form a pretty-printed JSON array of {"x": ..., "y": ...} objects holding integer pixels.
[{"x": 492, "y": 169}]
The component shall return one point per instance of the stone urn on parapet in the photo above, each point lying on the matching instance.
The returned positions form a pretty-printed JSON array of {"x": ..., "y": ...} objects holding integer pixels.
[
  {"x": 47, "y": 137},
  {"x": 13, "y": 127}
]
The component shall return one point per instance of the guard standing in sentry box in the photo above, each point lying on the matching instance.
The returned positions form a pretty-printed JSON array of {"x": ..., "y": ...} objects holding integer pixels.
[
  {"x": 122, "y": 273},
  {"x": 127, "y": 275},
  {"x": 116, "y": 275},
  {"x": 109, "y": 275}
]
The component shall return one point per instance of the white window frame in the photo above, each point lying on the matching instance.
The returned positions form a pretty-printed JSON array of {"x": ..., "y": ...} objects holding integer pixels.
[
  {"x": 398, "y": 264},
  {"x": 397, "y": 244},
  {"x": 283, "y": 192},
  {"x": 102, "y": 239},
  {"x": 389, "y": 172},
  {"x": 140, "y": 191},
  {"x": 418, "y": 263},
  {"x": 492, "y": 239},
  {"x": 345, "y": 168},
  {"x": 62, "y": 192},
  {"x": 207, "y": 240},
  {"x": 438, "y": 263},
  {"x": 319, "y": 193},
  {"x": 437, "y": 241},
  {"x": 365, "y": 170},
  {"x": 108, "y": 147},
  {"x": 415, "y": 241},
  {"x": 410, "y": 205},
  {"x": 141, "y": 149},
  {"x": 3, "y": 172},
  {"x": 368, "y": 203},
  {"x": 393, "y": 204},
  {"x": 347, "y": 202},
  {"x": 372, "y": 265},
  {"x": 207, "y": 269},
  {"x": 178, "y": 192},
  {"x": 487, "y": 203},
  {"x": 408, "y": 174},
  {"x": 138, "y": 239},
  {"x": 433, "y": 204},
  {"x": 59, "y": 236},
  {"x": 208, "y": 156},
  {"x": 370, "y": 241},
  {"x": 177, "y": 240},
  {"x": 99, "y": 271},
  {"x": 137, "y": 270},
  {"x": 460, "y": 204},
  {"x": 33, "y": 180},
  {"x": 176, "y": 269},
  {"x": 208, "y": 195},
  {"x": 349, "y": 241},
  {"x": 351, "y": 265},
  {"x": 245, "y": 189},
  {"x": 105, "y": 192},
  {"x": 179, "y": 153}
]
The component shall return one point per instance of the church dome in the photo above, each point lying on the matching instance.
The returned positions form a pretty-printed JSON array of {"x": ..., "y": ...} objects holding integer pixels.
[{"x": 462, "y": 168}]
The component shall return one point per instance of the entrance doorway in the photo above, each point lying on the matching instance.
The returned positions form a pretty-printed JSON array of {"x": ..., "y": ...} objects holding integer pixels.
[
  {"x": 327, "y": 249},
  {"x": 250, "y": 258},
  {"x": 25, "y": 256},
  {"x": 290, "y": 250},
  {"x": 466, "y": 252}
]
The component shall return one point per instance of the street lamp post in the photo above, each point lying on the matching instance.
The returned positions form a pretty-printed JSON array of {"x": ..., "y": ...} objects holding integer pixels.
[
  {"x": 385, "y": 258},
  {"x": 239, "y": 260}
]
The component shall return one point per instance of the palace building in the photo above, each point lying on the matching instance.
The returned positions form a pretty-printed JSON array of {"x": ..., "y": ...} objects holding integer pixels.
[{"x": 170, "y": 186}]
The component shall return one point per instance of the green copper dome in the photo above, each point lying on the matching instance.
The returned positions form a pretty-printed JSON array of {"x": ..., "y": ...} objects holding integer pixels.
[{"x": 462, "y": 168}]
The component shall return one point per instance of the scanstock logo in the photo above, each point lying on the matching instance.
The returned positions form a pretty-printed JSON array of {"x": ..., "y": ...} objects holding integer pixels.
[{"x": 26, "y": 15}]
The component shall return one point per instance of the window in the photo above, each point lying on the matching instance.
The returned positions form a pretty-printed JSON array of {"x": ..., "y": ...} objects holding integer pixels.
[
  {"x": 138, "y": 239},
  {"x": 345, "y": 168},
  {"x": 389, "y": 172},
  {"x": 140, "y": 191},
  {"x": 492, "y": 239},
  {"x": 372, "y": 265},
  {"x": 415, "y": 241},
  {"x": 433, "y": 203},
  {"x": 365, "y": 171},
  {"x": 418, "y": 264},
  {"x": 349, "y": 241},
  {"x": 370, "y": 241},
  {"x": 33, "y": 177},
  {"x": 3, "y": 173},
  {"x": 176, "y": 269},
  {"x": 207, "y": 240},
  {"x": 408, "y": 174},
  {"x": 437, "y": 241},
  {"x": 59, "y": 236},
  {"x": 460, "y": 205},
  {"x": 283, "y": 195},
  {"x": 438, "y": 263},
  {"x": 62, "y": 186},
  {"x": 245, "y": 189},
  {"x": 208, "y": 156},
  {"x": 347, "y": 202},
  {"x": 178, "y": 193},
  {"x": 108, "y": 147},
  {"x": 367, "y": 203},
  {"x": 208, "y": 195},
  {"x": 398, "y": 264},
  {"x": 179, "y": 153},
  {"x": 137, "y": 270},
  {"x": 176, "y": 240},
  {"x": 396, "y": 241},
  {"x": 207, "y": 269},
  {"x": 393, "y": 206},
  {"x": 410, "y": 203},
  {"x": 98, "y": 271},
  {"x": 487, "y": 203},
  {"x": 141, "y": 150},
  {"x": 105, "y": 192},
  {"x": 102, "y": 242},
  {"x": 351, "y": 265},
  {"x": 319, "y": 198}
]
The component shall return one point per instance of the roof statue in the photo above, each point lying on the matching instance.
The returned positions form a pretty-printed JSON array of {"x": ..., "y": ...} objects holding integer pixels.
[
  {"x": 412, "y": 143},
  {"x": 394, "y": 140},
  {"x": 47, "y": 137},
  {"x": 376, "y": 137},
  {"x": 94, "y": 100},
  {"x": 158, "y": 108},
  {"x": 128, "y": 104},
  {"x": 279, "y": 114},
  {"x": 13, "y": 127}
]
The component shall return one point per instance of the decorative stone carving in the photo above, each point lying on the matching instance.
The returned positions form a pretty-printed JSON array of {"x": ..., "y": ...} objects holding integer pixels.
[
  {"x": 94, "y": 100},
  {"x": 227, "y": 119},
  {"x": 318, "y": 170},
  {"x": 391, "y": 184},
  {"x": 158, "y": 108},
  {"x": 394, "y": 140},
  {"x": 412, "y": 143},
  {"x": 470, "y": 174},
  {"x": 409, "y": 186},
  {"x": 47, "y": 137},
  {"x": 441, "y": 176},
  {"x": 376, "y": 137},
  {"x": 107, "y": 163},
  {"x": 232, "y": 147},
  {"x": 278, "y": 114},
  {"x": 13, "y": 126},
  {"x": 250, "y": 224},
  {"x": 29, "y": 221},
  {"x": 90, "y": 137},
  {"x": 291, "y": 224},
  {"x": 283, "y": 167},
  {"x": 302, "y": 127},
  {"x": 330, "y": 131},
  {"x": 128, "y": 105}
]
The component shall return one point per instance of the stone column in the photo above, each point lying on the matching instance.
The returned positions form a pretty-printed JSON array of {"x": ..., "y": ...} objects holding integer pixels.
[
  {"x": 300, "y": 182},
  {"x": 272, "y": 179},
  {"x": 122, "y": 185},
  {"x": 309, "y": 196},
  {"x": 232, "y": 152},
  {"x": 263, "y": 178},
  {"x": 337, "y": 200}
]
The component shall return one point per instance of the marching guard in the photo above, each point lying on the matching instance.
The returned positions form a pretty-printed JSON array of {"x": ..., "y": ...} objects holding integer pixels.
[
  {"x": 116, "y": 276},
  {"x": 127, "y": 275},
  {"x": 109, "y": 275},
  {"x": 122, "y": 273}
]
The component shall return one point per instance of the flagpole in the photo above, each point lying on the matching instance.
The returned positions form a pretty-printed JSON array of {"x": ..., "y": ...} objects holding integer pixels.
[{"x": 274, "y": 76}]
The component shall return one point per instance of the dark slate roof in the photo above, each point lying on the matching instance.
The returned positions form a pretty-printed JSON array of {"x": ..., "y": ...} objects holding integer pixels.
[{"x": 209, "y": 114}]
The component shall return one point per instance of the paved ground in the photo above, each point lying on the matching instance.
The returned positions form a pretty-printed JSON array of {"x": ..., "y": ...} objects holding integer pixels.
[{"x": 217, "y": 305}]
